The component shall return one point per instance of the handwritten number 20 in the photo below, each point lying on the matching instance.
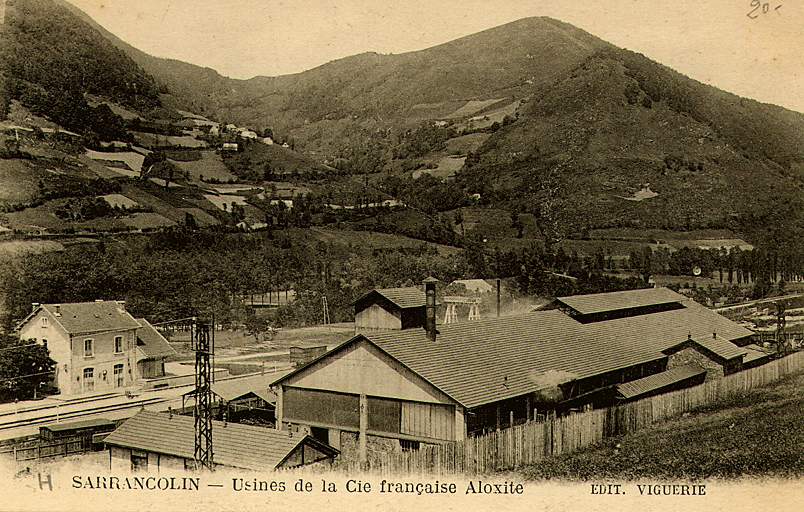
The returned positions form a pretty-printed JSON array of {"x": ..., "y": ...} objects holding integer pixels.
[{"x": 760, "y": 8}]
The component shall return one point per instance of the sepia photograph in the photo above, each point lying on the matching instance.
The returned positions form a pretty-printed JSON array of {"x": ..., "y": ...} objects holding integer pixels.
[{"x": 401, "y": 255}]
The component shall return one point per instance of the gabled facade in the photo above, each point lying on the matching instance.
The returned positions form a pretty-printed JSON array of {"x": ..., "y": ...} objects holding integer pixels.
[
  {"x": 154, "y": 442},
  {"x": 97, "y": 346},
  {"x": 390, "y": 308},
  {"x": 326, "y": 398}
]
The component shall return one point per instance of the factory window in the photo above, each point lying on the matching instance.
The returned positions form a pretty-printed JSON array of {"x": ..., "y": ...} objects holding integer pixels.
[
  {"x": 139, "y": 460},
  {"x": 408, "y": 446}
]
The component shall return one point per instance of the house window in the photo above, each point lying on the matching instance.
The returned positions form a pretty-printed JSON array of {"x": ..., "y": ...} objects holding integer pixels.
[
  {"x": 139, "y": 460},
  {"x": 118, "y": 375},
  {"x": 44, "y": 321},
  {"x": 408, "y": 446},
  {"x": 89, "y": 379},
  {"x": 44, "y": 342},
  {"x": 118, "y": 344},
  {"x": 88, "y": 348}
]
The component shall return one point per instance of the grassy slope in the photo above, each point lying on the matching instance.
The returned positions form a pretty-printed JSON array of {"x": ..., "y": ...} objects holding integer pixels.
[{"x": 754, "y": 434}]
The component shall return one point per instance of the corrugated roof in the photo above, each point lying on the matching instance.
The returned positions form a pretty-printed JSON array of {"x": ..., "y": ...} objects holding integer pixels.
[
  {"x": 753, "y": 352},
  {"x": 90, "y": 317},
  {"x": 237, "y": 387},
  {"x": 150, "y": 342},
  {"x": 99, "y": 422},
  {"x": 721, "y": 347},
  {"x": 232, "y": 389},
  {"x": 489, "y": 360},
  {"x": 403, "y": 297},
  {"x": 613, "y": 301},
  {"x": 236, "y": 445},
  {"x": 658, "y": 381}
]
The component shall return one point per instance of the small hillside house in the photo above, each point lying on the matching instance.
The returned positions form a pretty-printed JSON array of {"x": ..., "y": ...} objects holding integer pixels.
[
  {"x": 97, "y": 346},
  {"x": 418, "y": 386}
]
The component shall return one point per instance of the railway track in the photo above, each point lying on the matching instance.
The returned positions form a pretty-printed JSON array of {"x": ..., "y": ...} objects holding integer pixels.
[
  {"x": 59, "y": 416},
  {"x": 51, "y": 405}
]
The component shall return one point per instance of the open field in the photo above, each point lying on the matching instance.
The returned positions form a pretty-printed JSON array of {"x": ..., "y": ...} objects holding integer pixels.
[
  {"x": 210, "y": 166},
  {"x": 119, "y": 200},
  {"x": 14, "y": 248},
  {"x": 757, "y": 433},
  {"x": 369, "y": 240},
  {"x": 117, "y": 109},
  {"x": 152, "y": 139},
  {"x": 225, "y": 202},
  {"x": 660, "y": 234},
  {"x": 472, "y": 107},
  {"x": 18, "y": 181},
  {"x": 147, "y": 220},
  {"x": 447, "y": 166},
  {"x": 131, "y": 159},
  {"x": 487, "y": 119},
  {"x": 466, "y": 143}
]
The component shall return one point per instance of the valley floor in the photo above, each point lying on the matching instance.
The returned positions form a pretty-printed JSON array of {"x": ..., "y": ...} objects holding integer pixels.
[{"x": 754, "y": 434}]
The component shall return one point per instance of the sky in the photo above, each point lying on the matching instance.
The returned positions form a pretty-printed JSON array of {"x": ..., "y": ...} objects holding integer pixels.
[{"x": 752, "y": 48}]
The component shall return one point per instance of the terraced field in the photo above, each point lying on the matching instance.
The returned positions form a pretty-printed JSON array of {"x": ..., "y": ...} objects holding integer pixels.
[{"x": 210, "y": 166}]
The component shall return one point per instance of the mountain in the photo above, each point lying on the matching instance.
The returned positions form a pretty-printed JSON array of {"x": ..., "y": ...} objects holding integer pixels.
[
  {"x": 50, "y": 58},
  {"x": 569, "y": 128},
  {"x": 365, "y": 92},
  {"x": 608, "y": 136}
]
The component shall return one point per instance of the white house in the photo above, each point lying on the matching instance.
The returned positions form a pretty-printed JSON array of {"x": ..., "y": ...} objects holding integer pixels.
[
  {"x": 249, "y": 134},
  {"x": 97, "y": 346}
]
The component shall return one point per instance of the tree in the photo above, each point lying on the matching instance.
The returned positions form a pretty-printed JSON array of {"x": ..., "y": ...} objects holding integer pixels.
[
  {"x": 24, "y": 368},
  {"x": 516, "y": 223},
  {"x": 459, "y": 221}
]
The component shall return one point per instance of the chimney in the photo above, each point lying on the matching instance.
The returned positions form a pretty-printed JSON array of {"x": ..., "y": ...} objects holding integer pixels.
[
  {"x": 121, "y": 305},
  {"x": 430, "y": 308},
  {"x": 57, "y": 307},
  {"x": 34, "y": 306}
]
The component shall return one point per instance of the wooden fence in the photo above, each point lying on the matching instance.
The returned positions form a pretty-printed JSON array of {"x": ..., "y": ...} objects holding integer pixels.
[
  {"x": 57, "y": 449},
  {"x": 530, "y": 442}
]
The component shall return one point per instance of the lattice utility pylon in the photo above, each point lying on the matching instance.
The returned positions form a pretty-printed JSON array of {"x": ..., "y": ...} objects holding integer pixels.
[
  {"x": 203, "y": 397},
  {"x": 325, "y": 307}
]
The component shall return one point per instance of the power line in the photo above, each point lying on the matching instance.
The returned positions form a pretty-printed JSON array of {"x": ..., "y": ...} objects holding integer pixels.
[
  {"x": 18, "y": 347},
  {"x": 9, "y": 379}
]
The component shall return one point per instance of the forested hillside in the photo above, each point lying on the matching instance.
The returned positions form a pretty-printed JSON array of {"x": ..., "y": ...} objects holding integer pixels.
[{"x": 51, "y": 59}]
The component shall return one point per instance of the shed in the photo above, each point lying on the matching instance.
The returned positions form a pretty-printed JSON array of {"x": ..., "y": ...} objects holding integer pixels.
[
  {"x": 597, "y": 307},
  {"x": 662, "y": 382},
  {"x": 75, "y": 429},
  {"x": 302, "y": 355},
  {"x": 152, "y": 440},
  {"x": 390, "y": 308},
  {"x": 242, "y": 397}
]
